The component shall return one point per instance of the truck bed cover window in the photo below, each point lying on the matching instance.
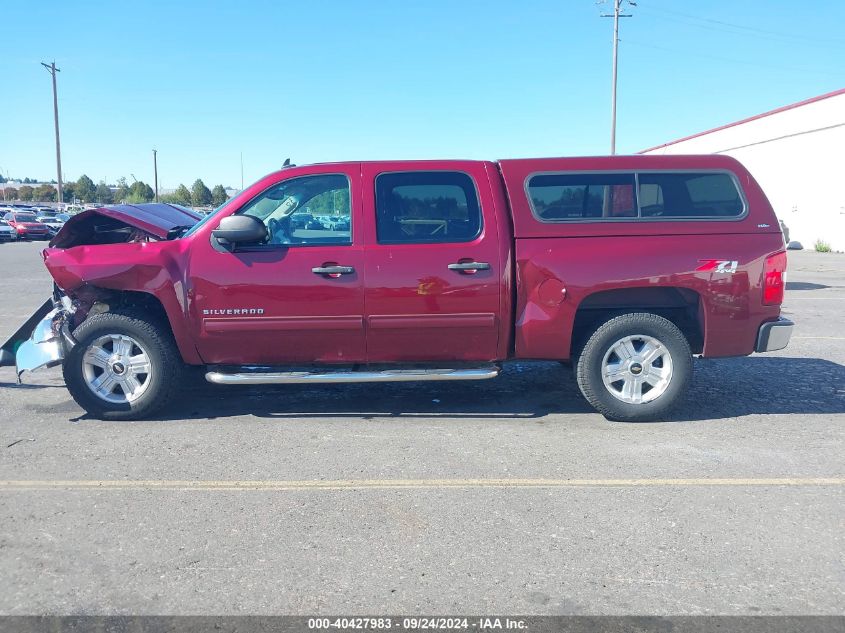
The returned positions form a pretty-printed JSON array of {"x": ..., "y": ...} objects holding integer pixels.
[
  {"x": 596, "y": 197},
  {"x": 561, "y": 197},
  {"x": 689, "y": 195}
]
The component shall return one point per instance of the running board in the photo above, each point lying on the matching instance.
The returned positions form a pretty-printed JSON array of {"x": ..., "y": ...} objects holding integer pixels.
[{"x": 256, "y": 377}]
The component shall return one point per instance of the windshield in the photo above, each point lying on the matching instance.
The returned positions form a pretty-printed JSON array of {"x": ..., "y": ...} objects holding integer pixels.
[{"x": 25, "y": 217}]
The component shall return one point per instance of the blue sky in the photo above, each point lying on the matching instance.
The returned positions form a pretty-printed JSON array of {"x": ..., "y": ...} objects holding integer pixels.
[{"x": 345, "y": 80}]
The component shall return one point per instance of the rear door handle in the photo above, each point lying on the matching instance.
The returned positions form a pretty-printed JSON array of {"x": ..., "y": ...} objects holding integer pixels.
[
  {"x": 334, "y": 271},
  {"x": 469, "y": 267}
]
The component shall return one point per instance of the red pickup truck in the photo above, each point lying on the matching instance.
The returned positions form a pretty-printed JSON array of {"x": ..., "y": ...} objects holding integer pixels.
[{"x": 420, "y": 270}]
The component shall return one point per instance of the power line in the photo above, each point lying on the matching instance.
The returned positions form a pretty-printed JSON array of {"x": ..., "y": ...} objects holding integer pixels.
[
  {"x": 732, "y": 60},
  {"x": 738, "y": 29}
]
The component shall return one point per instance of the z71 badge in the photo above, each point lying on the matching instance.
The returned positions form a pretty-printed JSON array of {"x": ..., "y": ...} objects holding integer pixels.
[{"x": 718, "y": 265}]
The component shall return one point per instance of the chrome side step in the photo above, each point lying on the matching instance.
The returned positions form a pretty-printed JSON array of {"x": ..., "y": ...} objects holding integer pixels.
[{"x": 257, "y": 377}]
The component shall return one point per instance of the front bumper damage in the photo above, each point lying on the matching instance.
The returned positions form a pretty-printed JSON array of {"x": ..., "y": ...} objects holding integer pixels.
[{"x": 42, "y": 341}]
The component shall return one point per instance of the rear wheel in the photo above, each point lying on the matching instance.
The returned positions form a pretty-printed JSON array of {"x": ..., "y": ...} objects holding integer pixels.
[
  {"x": 635, "y": 367},
  {"x": 123, "y": 367}
]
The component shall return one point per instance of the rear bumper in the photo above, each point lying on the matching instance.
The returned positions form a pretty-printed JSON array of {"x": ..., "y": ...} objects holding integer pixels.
[
  {"x": 29, "y": 234},
  {"x": 774, "y": 335}
]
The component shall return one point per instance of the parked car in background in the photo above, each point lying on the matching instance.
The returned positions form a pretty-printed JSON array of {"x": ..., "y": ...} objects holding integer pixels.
[
  {"x": 7, "y": 233},
  {"x": 53, "y": 223},
  {"x": 27, "y": 226},
  {"x": 300, "y": 219}
]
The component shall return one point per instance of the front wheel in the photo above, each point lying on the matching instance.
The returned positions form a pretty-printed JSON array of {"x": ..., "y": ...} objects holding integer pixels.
[
  {"x": 635, "y": 367},
  {"x": 123, "y": 367}
]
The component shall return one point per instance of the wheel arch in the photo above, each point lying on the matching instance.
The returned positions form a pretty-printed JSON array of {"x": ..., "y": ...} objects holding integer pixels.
[
  {"x": 682, "y": 306},
  {"x": 166, "y": 310}
]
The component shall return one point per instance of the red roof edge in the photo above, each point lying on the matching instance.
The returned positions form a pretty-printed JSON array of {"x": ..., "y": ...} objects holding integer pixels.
[{"x": 791, "y": 106}]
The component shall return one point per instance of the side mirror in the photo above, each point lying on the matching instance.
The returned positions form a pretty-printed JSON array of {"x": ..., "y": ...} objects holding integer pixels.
[{"x": 240, "y": 229}]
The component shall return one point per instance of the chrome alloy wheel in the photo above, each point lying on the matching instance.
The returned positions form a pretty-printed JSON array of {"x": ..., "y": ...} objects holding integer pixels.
[
  {"x": 637, "y": 369},
  {"x": 116, "y": 368}
]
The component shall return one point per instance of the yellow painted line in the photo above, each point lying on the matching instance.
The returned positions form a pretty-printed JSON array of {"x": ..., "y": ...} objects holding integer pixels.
[{"x": 398, "y": 484}]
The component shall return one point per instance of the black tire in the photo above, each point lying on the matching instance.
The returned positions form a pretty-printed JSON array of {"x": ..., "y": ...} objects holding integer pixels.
[
  {"x": 155, "y": 339},
  {"x": 591, "y": 359}
]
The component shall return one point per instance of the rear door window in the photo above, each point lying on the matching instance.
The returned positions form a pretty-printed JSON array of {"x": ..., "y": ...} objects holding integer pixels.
[
  {"x": 422, "y": 207},
  {"x": 689, "y": 195},
  {"x": 568, "y": 197}
]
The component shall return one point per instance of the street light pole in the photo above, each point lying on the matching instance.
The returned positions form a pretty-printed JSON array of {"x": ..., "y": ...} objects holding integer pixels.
[
  {"x": 53, "y": 70},
  {"x": 155, "y": 172},
  {"x": 617, "y": 8}
]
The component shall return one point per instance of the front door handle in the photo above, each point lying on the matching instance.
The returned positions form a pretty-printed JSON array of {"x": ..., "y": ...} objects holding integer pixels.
[
  {"x": 333, "y": 271},
  {"x": 469, "y": 267}
]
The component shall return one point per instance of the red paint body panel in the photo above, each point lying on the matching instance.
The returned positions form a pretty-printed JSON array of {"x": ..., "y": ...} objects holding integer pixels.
[
  {"x": 154, "y": 268},
  {"x": 732, "y": 304},
  {"x": 402, "y": 304},
  {"x": 280, "y": 282},
  {"x": 416, "y": 308}
]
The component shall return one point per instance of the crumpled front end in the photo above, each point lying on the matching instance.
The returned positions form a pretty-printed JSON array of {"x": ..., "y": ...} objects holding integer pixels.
[
  {"x": 125, "y": 255},
  {"x": 48, "y": 341}
]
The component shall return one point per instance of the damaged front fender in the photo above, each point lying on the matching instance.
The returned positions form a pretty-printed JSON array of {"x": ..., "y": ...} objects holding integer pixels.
[{"x": 121, "y": 254}]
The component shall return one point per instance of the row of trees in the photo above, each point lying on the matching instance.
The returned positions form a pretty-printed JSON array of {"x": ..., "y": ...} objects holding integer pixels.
[
  {"x": 85, "y": 190},
  {"x": 198, "y": 196},
  {"x": 26, "y": 193},
  {"x": 25, "y": 181}
]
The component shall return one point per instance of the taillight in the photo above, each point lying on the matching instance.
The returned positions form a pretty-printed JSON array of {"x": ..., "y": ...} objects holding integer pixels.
[{"x": 774, "y": 279}]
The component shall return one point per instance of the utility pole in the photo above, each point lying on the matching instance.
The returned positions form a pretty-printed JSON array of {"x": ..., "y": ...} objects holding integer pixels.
[
  {"x": 155, "y": 172},
  {"x": 617, "y": 13},
  {"x": 51, "y": 68}
]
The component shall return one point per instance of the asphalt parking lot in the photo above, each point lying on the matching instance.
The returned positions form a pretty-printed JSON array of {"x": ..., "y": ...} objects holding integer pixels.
[{"x": 423, "y": 498}]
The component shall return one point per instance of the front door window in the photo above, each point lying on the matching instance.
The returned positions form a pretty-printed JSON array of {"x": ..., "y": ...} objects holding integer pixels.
[{"x": 306, "y": 211}]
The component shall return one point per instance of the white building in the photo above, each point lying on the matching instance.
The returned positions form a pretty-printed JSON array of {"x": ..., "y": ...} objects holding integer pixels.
[{"x": 796, "y": 154}]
